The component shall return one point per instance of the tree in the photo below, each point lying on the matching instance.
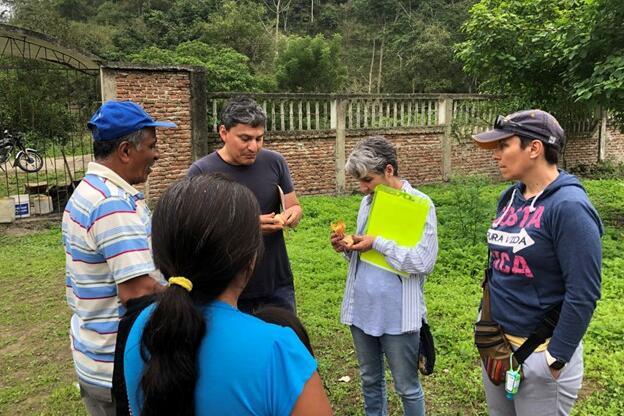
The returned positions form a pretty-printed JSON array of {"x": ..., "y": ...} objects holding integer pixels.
[
  {"x": 376, "y": 14},
  {"x": 226, "y": 69},
  {"x": 40, "y": 100},
  {"x": 412, "y": 42},
  {"x": 409, "y": 42},
  {"x": 240, "y": 25},
  {"x": 310, "y": 64},
  {"x": 594, "y": 53},
  {"x": 422, "y": 60},
  {"x": 279, "y": 8},
  {"x": 557, "y": 54}
]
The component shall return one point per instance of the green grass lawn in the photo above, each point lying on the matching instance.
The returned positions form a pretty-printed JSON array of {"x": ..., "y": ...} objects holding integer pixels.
[{"x": 36, "y": 374}]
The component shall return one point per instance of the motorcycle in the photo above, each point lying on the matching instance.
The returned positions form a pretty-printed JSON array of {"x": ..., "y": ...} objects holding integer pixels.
[{"x": 27, "y": 159}]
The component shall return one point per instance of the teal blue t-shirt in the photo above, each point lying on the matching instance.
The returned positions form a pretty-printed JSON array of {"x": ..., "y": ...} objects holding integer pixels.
[{"x": 246, "y": 366}]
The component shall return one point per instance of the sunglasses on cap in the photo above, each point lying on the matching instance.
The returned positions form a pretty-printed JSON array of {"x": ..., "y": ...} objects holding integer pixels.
[{"x": 521, "y": 129}]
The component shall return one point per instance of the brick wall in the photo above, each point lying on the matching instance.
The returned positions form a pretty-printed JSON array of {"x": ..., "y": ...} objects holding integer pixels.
[
  {"x": 165, "y": 95},
  {"x": 310, "y": 160},
  {"x": 467, "y": 158},
  {"x": 581, "y": 150},
  {"x": 615, "y": 144},
  {"x": 311, "y": 157}
]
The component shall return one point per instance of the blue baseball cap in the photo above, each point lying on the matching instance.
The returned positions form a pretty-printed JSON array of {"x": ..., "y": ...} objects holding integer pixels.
[{"x": 115, "y": 119}]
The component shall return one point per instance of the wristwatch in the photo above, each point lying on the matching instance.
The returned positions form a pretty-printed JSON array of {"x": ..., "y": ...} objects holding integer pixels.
[{"x": 554, "y": 363}]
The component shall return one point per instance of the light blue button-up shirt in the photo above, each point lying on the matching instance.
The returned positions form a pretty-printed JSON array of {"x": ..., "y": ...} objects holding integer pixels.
[{"x": 381, "y": 302}]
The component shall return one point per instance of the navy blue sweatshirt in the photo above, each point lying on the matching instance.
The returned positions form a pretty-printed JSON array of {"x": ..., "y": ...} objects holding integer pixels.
[{"x": 546, "y": 250}]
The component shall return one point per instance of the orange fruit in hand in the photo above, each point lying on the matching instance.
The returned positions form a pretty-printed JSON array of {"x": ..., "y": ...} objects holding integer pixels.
[
  {"x": 348, "y": 240},
  {"x": 338, "y": 227}
]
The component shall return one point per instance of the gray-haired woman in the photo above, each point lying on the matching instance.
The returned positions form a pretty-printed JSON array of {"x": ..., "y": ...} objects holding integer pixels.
[{"x": 384, "y": 310}]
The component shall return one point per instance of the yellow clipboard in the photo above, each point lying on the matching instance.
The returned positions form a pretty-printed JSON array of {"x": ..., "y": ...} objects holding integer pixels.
[{"x": 398, "y": 216}]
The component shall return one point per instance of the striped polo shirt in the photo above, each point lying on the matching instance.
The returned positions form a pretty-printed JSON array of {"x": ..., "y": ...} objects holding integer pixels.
[{"x": 106, "y": 234}]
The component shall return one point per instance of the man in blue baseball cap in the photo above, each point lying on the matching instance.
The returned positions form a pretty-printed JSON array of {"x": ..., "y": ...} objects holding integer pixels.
[{"x": 106, "y": 233}]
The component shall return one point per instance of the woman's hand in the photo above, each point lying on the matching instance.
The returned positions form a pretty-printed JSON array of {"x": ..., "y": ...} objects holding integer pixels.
[
  {"x": 337, "y": 243},
  {"x": 362, "y": 242}
]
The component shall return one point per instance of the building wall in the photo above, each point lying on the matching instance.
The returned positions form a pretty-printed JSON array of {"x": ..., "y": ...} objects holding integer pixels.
[
  {"x": 165, "y": 95},
  {"x": 469, "y": 159},
  {"x": 615, "y": 145},
  {"x": 310, "y": 158},
  {"x": 581, "y": 151}
]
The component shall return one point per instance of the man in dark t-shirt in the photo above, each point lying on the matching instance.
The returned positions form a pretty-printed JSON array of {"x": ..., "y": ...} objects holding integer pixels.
[{"x": 265, "y": 172}]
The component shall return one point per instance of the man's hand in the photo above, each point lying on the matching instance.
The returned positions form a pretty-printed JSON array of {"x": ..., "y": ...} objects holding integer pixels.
[
  {"x": 337, "y": 243},
  {"x": 362, "y": 242},
  {"x": 292, "y": 216},
  {"x": 268, "y": 224},
  {"x": 555, "y": 373}
]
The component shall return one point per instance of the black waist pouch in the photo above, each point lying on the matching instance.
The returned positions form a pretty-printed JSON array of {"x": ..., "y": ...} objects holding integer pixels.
[{"x": 426, "y": 355}]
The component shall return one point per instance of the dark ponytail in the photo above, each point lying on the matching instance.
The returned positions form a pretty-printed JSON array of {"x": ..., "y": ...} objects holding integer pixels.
[
  {"x": 206, "y": 229},
  {"x": 170, "y": 342}
]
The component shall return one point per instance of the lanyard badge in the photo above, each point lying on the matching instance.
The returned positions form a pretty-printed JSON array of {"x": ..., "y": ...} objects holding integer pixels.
[{"x": 512, "y": 379}]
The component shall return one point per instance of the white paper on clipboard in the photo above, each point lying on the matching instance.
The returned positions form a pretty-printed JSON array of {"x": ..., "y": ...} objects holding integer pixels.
[{"x": 282, "y": 207}]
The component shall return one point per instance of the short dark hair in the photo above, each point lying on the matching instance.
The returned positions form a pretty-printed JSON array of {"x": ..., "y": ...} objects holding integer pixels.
[
  {"x": 551, "y": 152},
  {"x": 104, "y": 148},
  {"x": 372, "y": 154},
  {"x": 206, "y": 229},
  {"x": 242, "y": 109}
]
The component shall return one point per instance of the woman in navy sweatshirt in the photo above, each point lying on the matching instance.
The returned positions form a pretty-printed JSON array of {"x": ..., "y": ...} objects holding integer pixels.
[{"x": 545, "y": 251}]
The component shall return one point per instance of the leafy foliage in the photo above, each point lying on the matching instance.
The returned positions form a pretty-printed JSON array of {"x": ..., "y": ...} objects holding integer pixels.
[
  {"x": 558, "y": 54},
  {"x": 468, "y": 223},
  {"x": 239, "y": 25},
  {"x": 418, "y": 36},
  {"x": 608, "y": 169},
  {"x": 310, "y": 64},
  {"x": 511, "y": 47},
  {"x": 43, "y": 101},
  {"x": 226, "y": 69},
  {"x": 595, "y": 54}
]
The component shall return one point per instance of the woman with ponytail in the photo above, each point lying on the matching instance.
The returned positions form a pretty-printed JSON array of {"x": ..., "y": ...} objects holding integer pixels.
[{"x": 192, "y": 352}]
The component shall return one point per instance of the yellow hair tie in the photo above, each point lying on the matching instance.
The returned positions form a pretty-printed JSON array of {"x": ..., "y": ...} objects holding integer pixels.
[{"x": 181, "y": 281}]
